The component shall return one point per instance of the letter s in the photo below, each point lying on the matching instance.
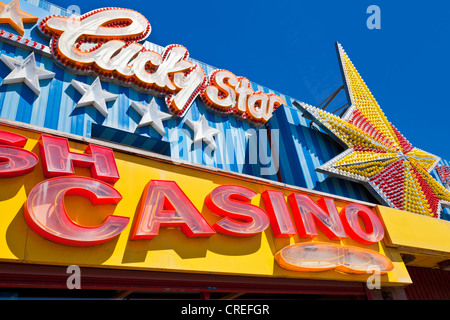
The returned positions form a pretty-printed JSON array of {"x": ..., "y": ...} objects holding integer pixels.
[
  {"x": 231, "y": 201},
  {"x": 15, "y": 161}
]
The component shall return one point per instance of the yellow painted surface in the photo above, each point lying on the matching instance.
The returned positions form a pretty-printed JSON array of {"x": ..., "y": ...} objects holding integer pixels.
[
  {"x": 171, "y": 250},
  {"x": 417, "y": 232}
]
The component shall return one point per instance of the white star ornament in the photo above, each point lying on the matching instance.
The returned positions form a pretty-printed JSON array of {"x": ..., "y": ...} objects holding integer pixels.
[
  {"x": 151, "y": 116},
  {"x": 203, "y": 132},
  {"x": 93, "y": 95},
  {"x": 25, "y": 71}
]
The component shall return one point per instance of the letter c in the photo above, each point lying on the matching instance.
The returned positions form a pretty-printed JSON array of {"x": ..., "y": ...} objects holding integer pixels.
[{"x": 45, "y": 213}]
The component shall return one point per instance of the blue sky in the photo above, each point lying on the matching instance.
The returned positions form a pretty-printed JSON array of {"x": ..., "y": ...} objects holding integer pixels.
[{"x": 288, "y": 46}]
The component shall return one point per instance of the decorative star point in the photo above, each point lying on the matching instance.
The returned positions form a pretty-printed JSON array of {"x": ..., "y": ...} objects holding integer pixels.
[
  {"x": 151, "y": 116},
  {"x": 93, "y": 95},
  {"x": 377, "y": 154},
  {"x": 11, "y": 14},
  {"x": 25, "y": 71},
  {"x": 203, "y": 132},
  {"x": 443, "y": 172}
]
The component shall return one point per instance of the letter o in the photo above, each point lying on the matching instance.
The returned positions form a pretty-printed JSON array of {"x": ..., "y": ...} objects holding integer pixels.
[{"x": 374, "y": 228}]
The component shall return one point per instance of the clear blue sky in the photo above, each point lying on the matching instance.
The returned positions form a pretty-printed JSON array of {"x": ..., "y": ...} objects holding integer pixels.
[{"x": 288, "y": 46}]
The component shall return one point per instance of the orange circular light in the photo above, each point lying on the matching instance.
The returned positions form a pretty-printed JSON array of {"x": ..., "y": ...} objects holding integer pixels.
[{"x": 321, "y": 256}]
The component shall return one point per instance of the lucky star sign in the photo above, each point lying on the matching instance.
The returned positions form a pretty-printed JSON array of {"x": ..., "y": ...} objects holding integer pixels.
[{"x": 378, "y": 155}]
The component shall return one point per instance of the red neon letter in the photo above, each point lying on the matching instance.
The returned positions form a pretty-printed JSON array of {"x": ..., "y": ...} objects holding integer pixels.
[
  {"x": 165, "y": 204},
  {"x": 45, "y": 213},
  {"x": 306, "y": 212},
  {"x": 15, "y": 161},
  {"x": 230, "y": 202},
  {"x": 374, "y": 228},
  {"x": 57, "y": 160},
  {"x": 278, "y": 213}
]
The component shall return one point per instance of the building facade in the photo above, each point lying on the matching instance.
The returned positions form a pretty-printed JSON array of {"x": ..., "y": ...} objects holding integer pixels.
[{"x": 130, "y": 170}]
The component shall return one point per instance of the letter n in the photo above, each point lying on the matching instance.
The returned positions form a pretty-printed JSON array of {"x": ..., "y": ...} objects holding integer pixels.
[
  {"x": 307, "y": 214},
  {"x": 164, "y": 204}
]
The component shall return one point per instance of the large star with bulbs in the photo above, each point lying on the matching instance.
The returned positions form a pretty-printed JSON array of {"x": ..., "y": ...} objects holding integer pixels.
[
  {"x": 378, "y": 154},
  {"x": 11, "y": 14},
  {"x": 443, "y": 172}
]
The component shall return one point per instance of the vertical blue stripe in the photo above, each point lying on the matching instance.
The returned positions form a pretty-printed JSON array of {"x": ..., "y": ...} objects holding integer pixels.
[{"x": 25, "y": 108}]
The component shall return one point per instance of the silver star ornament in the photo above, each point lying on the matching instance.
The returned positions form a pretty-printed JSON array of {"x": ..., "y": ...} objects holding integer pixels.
[
  {"x": 25, "y": 71},
  {"x": 151, "y": 116},
  {"x": 93, "y": 95},
  {"x": 203, "y": 132}
]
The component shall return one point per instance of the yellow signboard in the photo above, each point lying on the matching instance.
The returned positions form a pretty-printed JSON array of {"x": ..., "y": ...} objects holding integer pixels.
[
  {"x": 220, "y": 226},
  {"x": 425, "y": 239}
]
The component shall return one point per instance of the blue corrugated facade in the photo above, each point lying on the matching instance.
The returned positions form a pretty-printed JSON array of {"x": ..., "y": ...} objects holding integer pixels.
[{"x": 303, "y": 149}]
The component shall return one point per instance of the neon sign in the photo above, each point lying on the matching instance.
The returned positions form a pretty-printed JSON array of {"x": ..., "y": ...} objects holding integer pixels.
[
  {"x": 15, "y": 161},
  {"x": 104, "y": 42},
  {"x": 228, "y": 94},
  {"x": 46, "y": 215},
  {"x": 164, "y": 204}
]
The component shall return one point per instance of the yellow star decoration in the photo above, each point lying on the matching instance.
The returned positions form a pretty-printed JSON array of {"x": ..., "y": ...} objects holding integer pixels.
[
  {"x": 12, "y": 15},
  {"x": 378, "y": 155}
]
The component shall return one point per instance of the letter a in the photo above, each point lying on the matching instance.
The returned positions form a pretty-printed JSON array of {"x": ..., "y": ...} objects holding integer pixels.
[
  {"x": 373, "y": 281},
  {"x": 164, "y": 204},
  {"x": 73, "y": 282},
  {"x": 374, "y": 21}
]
